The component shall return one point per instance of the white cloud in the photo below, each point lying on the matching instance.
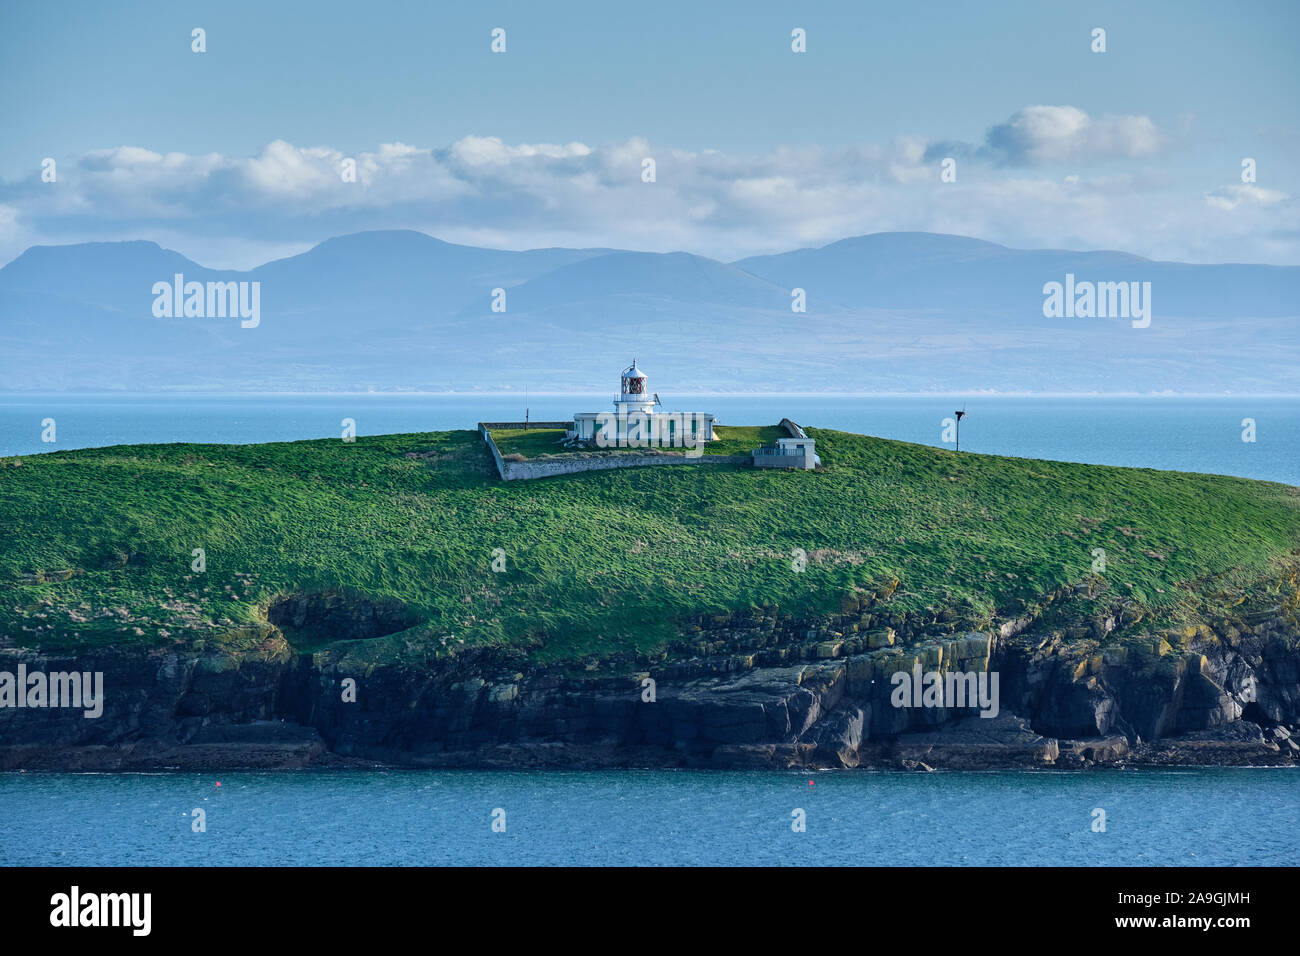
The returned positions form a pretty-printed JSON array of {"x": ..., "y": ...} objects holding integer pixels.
[
  {"x": 1230, "y": 197},
  {"x": 283, "y": 170},
  {"x": 1047, "y": 134},
  {"x": 1039, "y": 135},
  {"x": 489, "y": 150},
  {"x": 481, "y": 190}
]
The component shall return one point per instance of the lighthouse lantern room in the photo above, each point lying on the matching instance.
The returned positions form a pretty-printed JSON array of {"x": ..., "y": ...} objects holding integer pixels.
[{"x": 635, "y": 397}]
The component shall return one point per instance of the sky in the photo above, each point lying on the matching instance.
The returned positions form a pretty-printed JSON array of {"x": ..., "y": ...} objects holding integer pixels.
[{"x": 233, "y": 156}]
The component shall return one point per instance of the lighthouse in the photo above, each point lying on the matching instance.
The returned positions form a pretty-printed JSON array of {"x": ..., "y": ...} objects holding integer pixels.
[{"x": 637, "y": 421}]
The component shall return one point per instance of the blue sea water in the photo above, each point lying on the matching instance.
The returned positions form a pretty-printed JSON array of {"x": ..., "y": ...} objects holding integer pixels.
[
  {"x": 1186, "y": 434},
  {"x": 1212, "y": 817}
]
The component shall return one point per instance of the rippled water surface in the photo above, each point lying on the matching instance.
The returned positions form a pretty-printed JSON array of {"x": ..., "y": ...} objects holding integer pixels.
[{"x": 1219, "y": 817}]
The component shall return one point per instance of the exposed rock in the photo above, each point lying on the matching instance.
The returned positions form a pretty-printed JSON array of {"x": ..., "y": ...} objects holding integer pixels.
[
  {"x": 1096, "y": 751},
  {"x": 1241, "y": 743},
  {"x": 841, "y": 734},
  {"x": 970, "y": 743},
  {"x": 744, "y": 690},
  {"x": 332, "y": 616}
]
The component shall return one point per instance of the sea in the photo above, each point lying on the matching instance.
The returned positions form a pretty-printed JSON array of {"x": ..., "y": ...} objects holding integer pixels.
[
  {"x": 1249, "y": 437},
  {"x": 1212, "y": 817},
  {"x": 1147, "y": 817}
]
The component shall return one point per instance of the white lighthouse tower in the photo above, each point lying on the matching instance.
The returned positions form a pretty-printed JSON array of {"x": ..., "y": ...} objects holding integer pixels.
[{"x": 635, "y": 397}]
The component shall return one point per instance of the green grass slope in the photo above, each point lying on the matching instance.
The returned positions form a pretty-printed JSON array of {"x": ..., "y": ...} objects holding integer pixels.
[{"x": 97, "y": 545}]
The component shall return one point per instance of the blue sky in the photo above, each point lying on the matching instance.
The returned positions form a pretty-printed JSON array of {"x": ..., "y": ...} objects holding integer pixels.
[{"x": 220, "y": 155}]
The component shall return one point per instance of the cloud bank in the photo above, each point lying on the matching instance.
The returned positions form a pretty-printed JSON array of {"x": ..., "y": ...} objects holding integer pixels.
[{"x": 1049, "y": 176}]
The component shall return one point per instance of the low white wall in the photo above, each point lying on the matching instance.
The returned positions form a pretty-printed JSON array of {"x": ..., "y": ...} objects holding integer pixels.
[
  {"x": 492, "y": 446},
  {"x": 523, "y": 470}
]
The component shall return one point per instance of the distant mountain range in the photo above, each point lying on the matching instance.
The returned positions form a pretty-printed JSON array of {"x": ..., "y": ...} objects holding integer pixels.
[{"x": 400, "y": 310}]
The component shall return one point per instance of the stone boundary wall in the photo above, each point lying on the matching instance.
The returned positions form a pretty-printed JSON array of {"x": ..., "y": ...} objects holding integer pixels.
[
  {"x": 516, "y": 470},
  {"x": 489, "y": 425},
  {"x": 525, "y": 470},
  {"x": 486, "y": 432}
]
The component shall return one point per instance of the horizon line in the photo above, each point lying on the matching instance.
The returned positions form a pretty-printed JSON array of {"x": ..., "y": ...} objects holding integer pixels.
[{"x": 581, "y": 393}]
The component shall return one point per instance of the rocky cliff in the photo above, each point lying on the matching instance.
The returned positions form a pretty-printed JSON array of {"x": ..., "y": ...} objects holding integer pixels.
[{"x": 761, "y": 690}]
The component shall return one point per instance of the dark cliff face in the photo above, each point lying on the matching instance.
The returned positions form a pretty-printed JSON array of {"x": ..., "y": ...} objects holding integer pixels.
[{"x": 751, "y": 691}]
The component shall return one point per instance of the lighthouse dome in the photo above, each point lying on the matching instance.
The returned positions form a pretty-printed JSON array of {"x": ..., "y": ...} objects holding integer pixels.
[{"x": 633, "y": 380}]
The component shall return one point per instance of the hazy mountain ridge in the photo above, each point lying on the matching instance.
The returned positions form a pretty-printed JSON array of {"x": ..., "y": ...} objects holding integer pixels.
[
  {"x": 890, "y": 271},
  {"x": 885, "y": 312}
]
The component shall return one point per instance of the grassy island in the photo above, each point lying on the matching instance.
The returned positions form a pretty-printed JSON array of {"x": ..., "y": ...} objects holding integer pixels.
[{"x": 101, "y": 546}]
